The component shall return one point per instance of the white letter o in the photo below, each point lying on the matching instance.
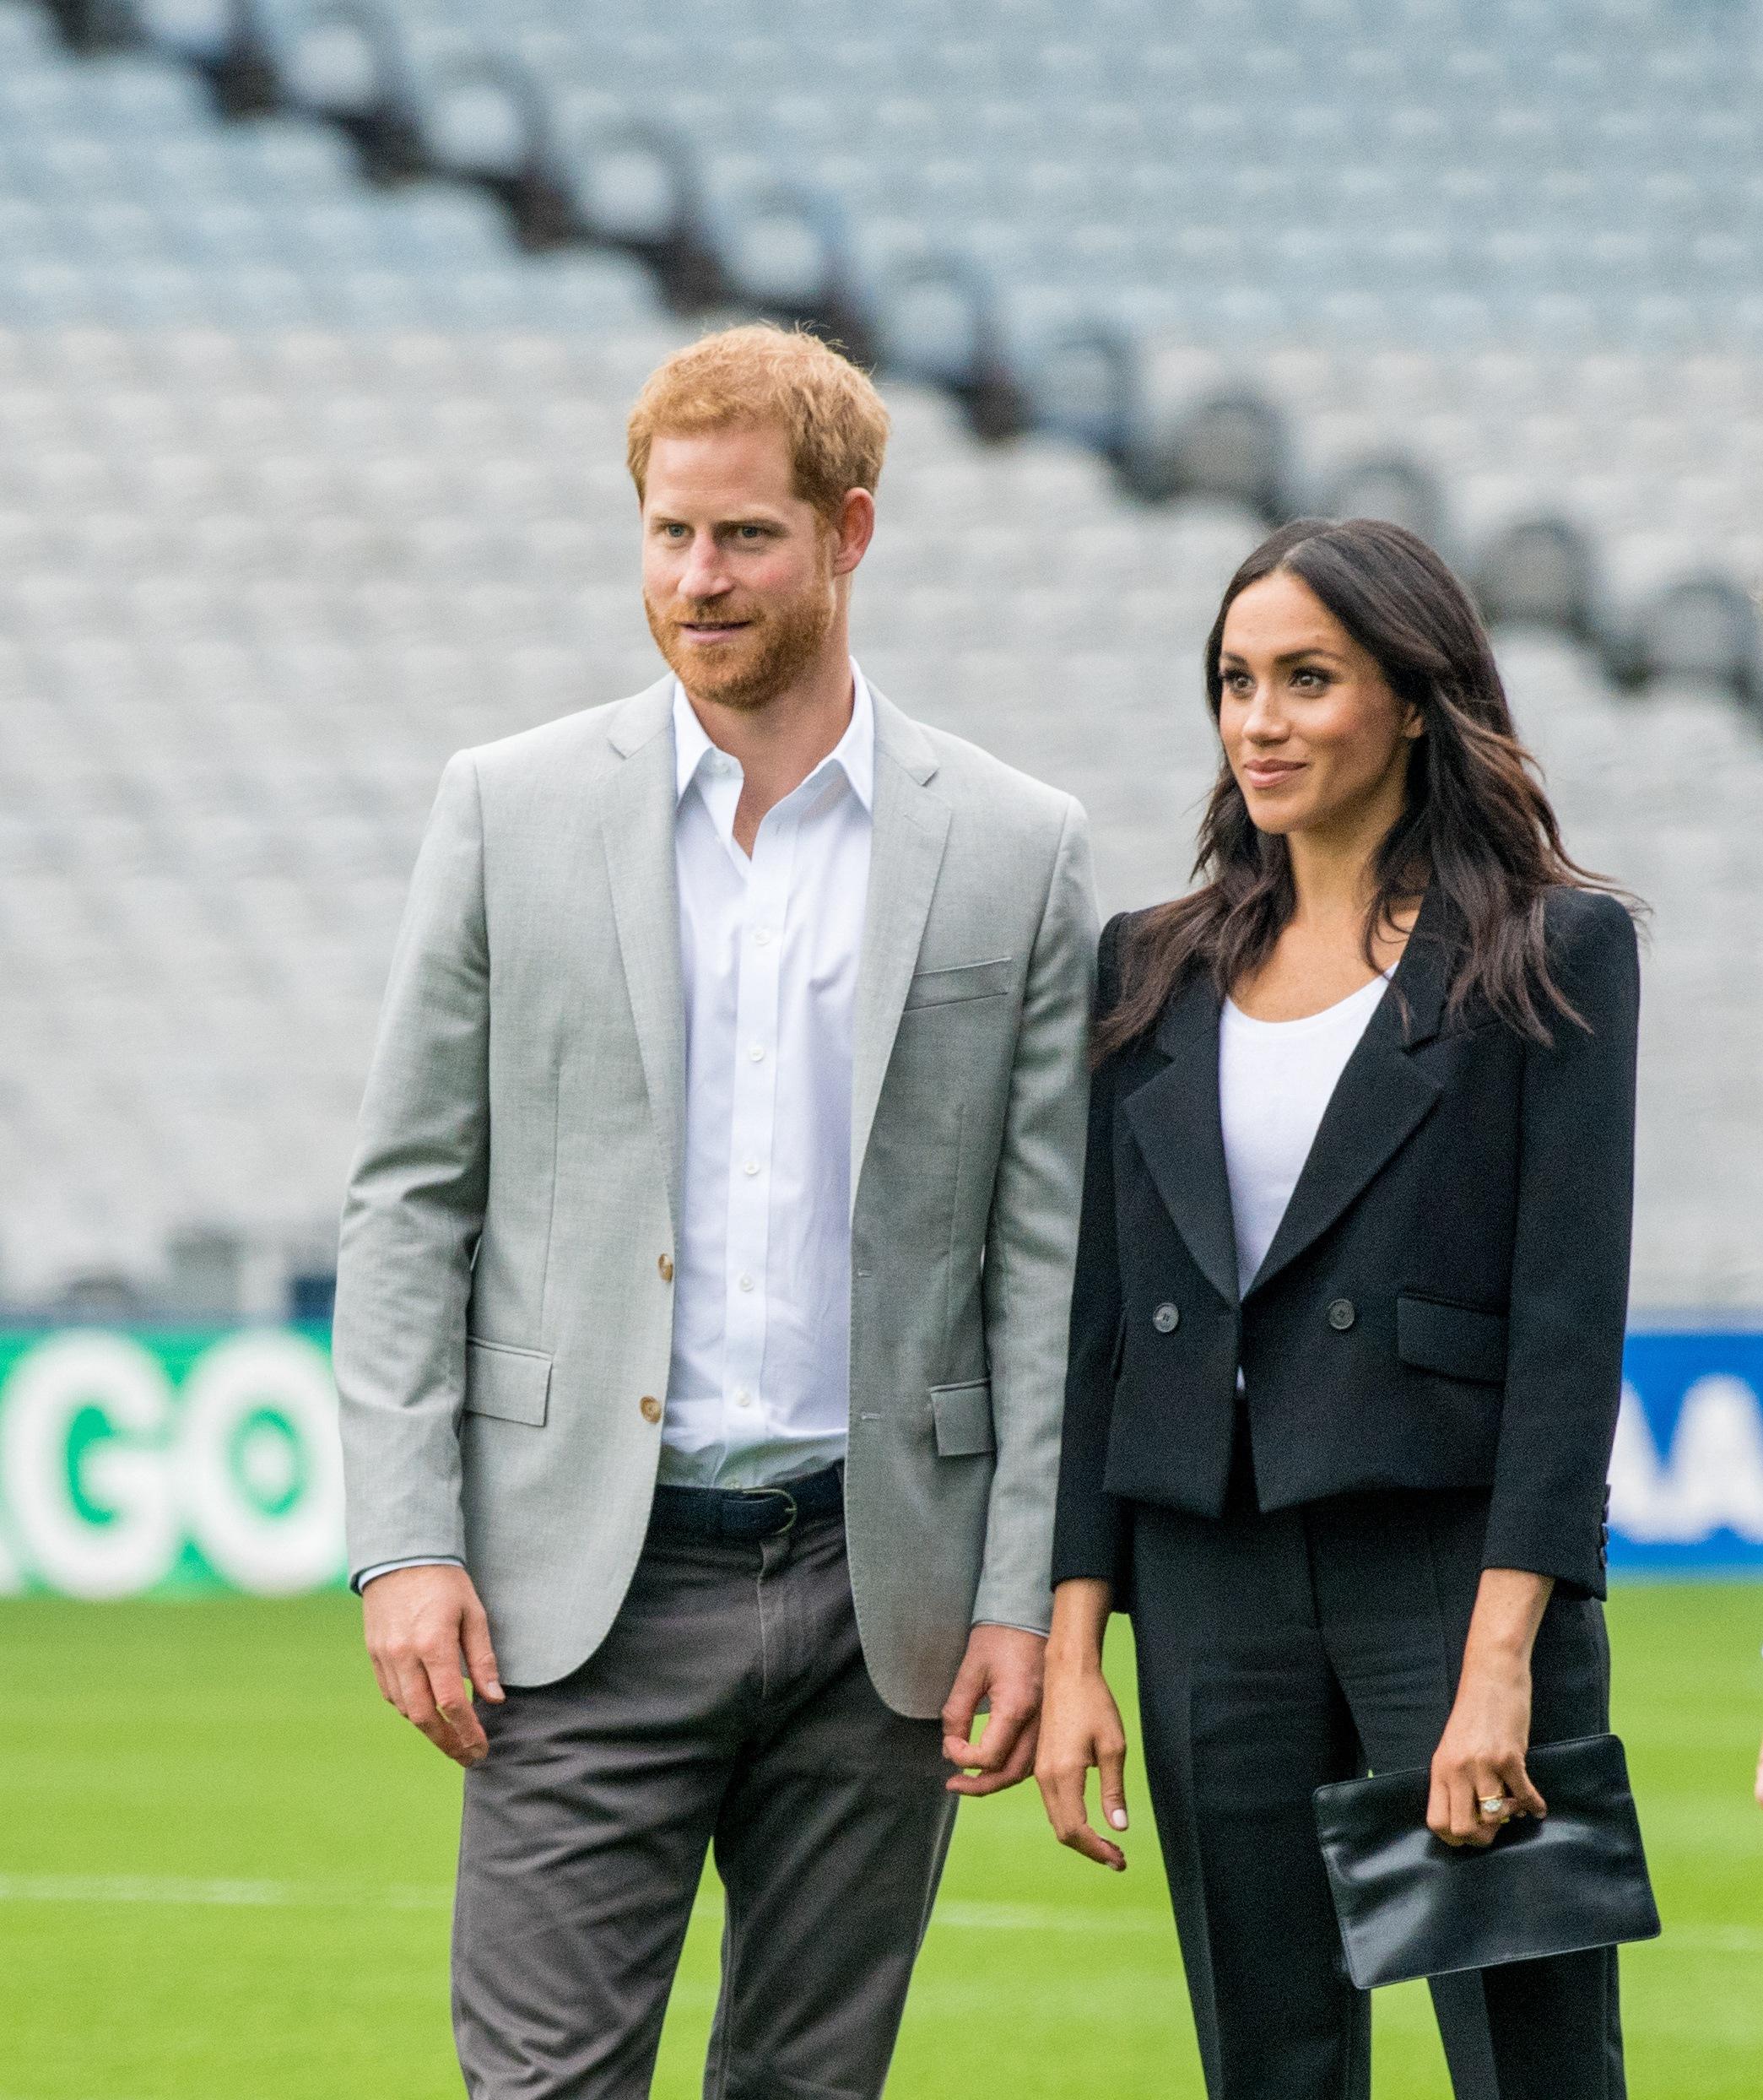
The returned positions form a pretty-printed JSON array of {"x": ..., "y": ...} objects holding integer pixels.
[{"x": 275, "y": 1555}]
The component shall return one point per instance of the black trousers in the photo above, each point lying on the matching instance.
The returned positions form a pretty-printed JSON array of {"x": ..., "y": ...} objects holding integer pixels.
[{"x": 1278, "y": 1652}]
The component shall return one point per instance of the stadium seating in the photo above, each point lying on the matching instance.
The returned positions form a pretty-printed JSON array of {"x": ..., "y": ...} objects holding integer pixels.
[
  {"x": 306, "y": 483},
  {"x": 1240, "y": 249}
]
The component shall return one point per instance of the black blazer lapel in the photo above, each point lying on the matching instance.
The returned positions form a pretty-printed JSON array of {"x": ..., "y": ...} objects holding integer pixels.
[
  {"x": 1380, "y": 1100},
  {"x": 1174, "y": 1119}
]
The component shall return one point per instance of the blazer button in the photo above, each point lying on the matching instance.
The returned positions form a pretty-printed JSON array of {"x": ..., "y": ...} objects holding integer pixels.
[
  {"x": 1166, "y": 1318},
  {"x": 1341, "y": 1315},
  {"x": 666, "y": 1267},
  {"x": 650, "y": 1407}
]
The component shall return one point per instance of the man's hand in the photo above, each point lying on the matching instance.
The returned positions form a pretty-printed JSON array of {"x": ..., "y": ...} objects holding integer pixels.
[
  {"x": 426, "y": 1630},
  {"x": 1002, "y": 1670}
]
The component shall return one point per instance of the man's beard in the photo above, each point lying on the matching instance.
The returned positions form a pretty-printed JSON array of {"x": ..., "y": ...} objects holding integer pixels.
[{"x": 749, "y": 673}]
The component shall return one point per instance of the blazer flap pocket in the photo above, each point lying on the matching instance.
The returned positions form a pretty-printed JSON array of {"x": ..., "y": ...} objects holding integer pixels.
[
  {"x": 963, "y": 1416},
  {"x": 1454, "y": 1340},
  {"x": 512, "y": 1384},
  {"x": 966, "y": 981}
]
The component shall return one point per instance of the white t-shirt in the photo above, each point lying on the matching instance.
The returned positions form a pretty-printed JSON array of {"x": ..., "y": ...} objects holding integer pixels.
[{"x": 1275, "y": 1079}]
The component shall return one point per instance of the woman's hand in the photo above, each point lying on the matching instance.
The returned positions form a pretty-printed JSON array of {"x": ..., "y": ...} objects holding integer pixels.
[
  {"x": 1080, "y": 1725},
  {"x": 1481, "y": 1755}
]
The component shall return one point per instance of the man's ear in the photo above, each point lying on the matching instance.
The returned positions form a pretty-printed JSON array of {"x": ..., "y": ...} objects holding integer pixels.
[{"x": 853, "y": 528}]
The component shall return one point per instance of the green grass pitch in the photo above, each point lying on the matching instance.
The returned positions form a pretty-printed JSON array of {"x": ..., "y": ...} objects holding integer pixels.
[{"x": 223, "y": 1875}]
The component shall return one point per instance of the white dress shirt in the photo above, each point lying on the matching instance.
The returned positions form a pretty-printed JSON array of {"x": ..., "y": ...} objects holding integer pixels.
[
  {"x": 758, "y": 1389},
  {"x": 758, "y": 1386}
]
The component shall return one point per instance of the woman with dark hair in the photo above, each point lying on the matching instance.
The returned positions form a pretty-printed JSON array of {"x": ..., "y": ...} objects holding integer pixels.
[{"x": 1347, "y": 1332}]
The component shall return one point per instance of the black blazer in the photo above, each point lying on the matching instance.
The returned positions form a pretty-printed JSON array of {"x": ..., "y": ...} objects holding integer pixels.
[{"x": 1443, "y": 1304}]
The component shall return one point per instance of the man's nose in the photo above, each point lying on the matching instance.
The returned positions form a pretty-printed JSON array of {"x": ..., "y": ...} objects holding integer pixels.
[{"x": 704, "y": 575}]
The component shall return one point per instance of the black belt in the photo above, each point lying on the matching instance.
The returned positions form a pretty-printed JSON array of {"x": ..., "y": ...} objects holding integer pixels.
[{"x": 747, "y": 1513}]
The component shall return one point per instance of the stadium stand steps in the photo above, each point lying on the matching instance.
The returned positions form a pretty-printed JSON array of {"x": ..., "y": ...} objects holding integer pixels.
[
  {"x": 306, "y": 483},
  {"x": 998, "y": 280}
]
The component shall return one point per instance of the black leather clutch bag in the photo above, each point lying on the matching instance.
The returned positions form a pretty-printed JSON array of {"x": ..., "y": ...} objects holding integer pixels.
[{"x": 1410, "y": 1905}]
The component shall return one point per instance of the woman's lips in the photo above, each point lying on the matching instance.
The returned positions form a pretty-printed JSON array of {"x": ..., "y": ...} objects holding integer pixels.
[{"x": 1270, "y": 773}]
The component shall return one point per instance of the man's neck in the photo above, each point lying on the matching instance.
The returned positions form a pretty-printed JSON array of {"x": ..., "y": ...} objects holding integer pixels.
[{"x": 779, "y": 744}]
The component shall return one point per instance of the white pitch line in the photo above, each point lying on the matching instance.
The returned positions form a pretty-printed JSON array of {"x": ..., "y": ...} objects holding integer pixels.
[{"x": 175, "y": 1891}]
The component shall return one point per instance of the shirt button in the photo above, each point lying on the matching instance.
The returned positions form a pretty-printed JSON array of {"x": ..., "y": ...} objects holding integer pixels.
[
  {"x": 1166, "y": 1318},
  {"x": 750, "y": 1166},
  {"x": 743, "y": 1397},
  {"x": 651, "y": 1408},
  {"x": 756, "y": 1051},
  {"x": 666, "y": 1266},
  {"x": 761, "y": 938},
  {"x": 1342, "y": 1315},
  {"x": 746, "y": 1283}
]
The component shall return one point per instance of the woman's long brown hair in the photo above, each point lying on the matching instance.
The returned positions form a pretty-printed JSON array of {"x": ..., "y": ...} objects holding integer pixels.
[{"x": 1477, "y": 823}]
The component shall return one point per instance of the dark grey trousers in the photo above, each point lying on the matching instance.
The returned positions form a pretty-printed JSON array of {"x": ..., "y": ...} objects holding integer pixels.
[
  {"x": 728, "y": 1710},
  {"x": 1278, "y": 1652}
]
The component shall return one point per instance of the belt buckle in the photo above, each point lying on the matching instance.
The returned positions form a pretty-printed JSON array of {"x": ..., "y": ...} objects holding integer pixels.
[{"x": 789, "y": 1502}]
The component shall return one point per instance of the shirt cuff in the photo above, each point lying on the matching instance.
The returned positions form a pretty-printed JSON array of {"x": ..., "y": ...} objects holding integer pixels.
[
  {"x": 1039, "y": 1632},
  {"x": 416, "y": 1560}
]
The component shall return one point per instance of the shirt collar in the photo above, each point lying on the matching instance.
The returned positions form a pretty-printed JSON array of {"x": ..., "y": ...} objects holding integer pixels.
[{"x": 854, "y": 754}]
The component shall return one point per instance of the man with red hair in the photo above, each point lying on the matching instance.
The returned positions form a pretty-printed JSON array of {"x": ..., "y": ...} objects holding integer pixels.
[{"x": 704, "y": 1282}]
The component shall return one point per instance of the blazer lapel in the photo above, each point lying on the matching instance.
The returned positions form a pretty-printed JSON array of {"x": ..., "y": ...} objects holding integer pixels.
[
  {"x": 1381, "y": 1099},
  {"x": 1174, "y": 1119},
  {"x": 909, "y": 828},
  {"x": 637, "y": 805}
]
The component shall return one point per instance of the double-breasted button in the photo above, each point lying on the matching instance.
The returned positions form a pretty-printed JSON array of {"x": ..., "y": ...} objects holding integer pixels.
[
  {"x": 666, "y": 1267},
  {"x": 1342, "y": 1315},
  {"x": 1166, "y": 1318},
  {"x": 651, "y": 1408}
]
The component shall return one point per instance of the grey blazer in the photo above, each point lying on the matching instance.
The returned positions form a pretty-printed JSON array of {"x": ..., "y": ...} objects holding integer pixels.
[{"x": 504, "y": 1303}]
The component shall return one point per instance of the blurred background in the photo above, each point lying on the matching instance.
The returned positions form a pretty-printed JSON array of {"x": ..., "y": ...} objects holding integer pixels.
[{"x": 319, "y": 320}]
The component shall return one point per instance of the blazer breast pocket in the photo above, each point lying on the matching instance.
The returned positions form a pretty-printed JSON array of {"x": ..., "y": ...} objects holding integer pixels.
[
  {"x": 511, "y": 1384},
  {"x": 965, "y": 980},
  {"x": 1458, "y": 1341}
]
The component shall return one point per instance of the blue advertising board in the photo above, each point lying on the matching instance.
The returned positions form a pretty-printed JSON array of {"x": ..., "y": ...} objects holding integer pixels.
[{"x": 1686, "y": 1476}]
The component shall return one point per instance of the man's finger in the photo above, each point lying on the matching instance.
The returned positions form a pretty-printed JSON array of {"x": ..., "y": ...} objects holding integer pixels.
[
  {"x": 999, "y": 1741},
  {"x": 959, "y": 1710},
  {"x": 1015, "y": 1768},
  {"x": 416, "y": 1702},
  {"x": 481, "y": 1657},
  {"x": 452, "y": 1702},
  {"x": 383, "y": 1678}
]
